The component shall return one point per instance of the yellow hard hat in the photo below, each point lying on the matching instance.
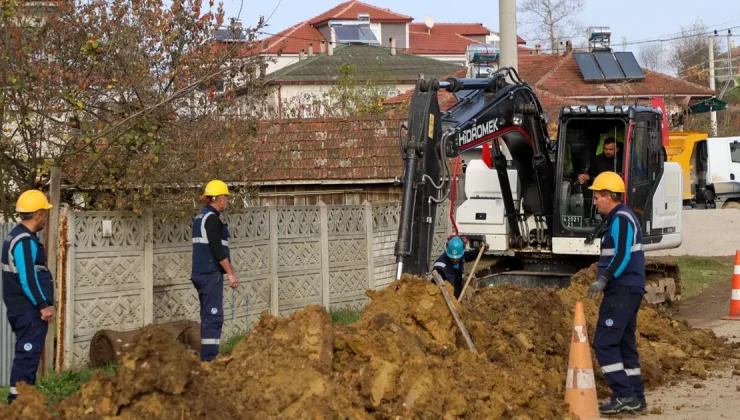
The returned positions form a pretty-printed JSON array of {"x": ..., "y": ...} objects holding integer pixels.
[
  {"x": 31, "y": 201},
  {"x": 216, "y": 188},
  {"x": 608, "y": 181}
]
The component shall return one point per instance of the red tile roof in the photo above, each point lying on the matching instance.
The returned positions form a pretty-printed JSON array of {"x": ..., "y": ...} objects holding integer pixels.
[
  {"x": 563, "y": 78},
  {"x": 328, "y": 149},
  {"x": 558, "y": 83},
  {"x": 293, "y": 39},
  {"x": 465, "y": 29},
  {"x": 446, "y": 38},
  {"x": 350, "y": 9}
]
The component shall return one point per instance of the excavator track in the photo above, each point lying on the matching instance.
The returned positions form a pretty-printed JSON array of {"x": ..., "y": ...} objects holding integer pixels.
[
  {"x": 662, "y": 282},
  {"x": 662, "y": 285}
]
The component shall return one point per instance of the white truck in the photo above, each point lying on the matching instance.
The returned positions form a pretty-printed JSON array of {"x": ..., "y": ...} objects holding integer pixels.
[{"x": 723, "y": 164}]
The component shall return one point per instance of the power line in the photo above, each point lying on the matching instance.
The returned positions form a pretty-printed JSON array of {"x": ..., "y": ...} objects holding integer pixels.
[
  {"x": 710, "y": 26},
  {"x": 680, "y": 37}
]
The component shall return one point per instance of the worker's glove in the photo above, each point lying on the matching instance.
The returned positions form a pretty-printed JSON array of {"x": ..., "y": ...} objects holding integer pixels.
[{"x": 596, "y": 288}]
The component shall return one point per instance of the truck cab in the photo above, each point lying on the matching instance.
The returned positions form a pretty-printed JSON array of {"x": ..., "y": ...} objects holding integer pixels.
[{"x": 723, "y": 166}]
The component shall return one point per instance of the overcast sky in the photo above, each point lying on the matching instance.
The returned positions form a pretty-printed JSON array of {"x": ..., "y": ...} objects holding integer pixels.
[{"x": 634, "y": 19}]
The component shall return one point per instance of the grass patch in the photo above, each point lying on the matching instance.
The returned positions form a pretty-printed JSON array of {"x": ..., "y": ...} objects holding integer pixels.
[
  {"x": 345, "y": 316},
  {"x": 58, "y": 386},
  {"x": 699, "y": 273},
  {"x": 228, "y": 346}
]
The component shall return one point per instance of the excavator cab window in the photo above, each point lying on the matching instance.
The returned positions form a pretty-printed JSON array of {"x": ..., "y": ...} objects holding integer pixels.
[
  {"x": 580, "y": 159},
  {"x": 645, "y": 165}
]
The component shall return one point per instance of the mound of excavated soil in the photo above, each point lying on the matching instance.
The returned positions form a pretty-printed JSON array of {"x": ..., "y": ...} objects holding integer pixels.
[{"x": 404, "y": 358}]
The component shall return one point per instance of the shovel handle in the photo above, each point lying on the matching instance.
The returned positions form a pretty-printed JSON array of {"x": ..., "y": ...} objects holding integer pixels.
[
  {"x": 470, "y": 276},
  {"x": 460, "y": 325}
]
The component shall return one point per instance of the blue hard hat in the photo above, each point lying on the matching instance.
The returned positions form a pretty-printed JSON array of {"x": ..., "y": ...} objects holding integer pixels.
[{"x": 455, "y": 248}]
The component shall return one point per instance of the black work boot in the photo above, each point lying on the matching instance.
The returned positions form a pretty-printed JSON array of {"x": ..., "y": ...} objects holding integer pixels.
[
  {"x": 621, "y": 405},
  {"x": 643, "y": 405}
]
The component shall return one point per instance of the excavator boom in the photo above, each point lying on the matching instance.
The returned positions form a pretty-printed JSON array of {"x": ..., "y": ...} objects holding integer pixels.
[{"x": 492, "y": 108}]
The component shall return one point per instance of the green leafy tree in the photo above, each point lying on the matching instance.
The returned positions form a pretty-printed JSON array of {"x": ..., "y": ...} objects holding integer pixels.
[{"x": 130, "y": 98}]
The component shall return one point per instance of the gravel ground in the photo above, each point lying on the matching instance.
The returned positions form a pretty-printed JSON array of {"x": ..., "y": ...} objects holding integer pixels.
[
  {"x": 707, "y": 233},
  {"x": 714, "y": 398}
]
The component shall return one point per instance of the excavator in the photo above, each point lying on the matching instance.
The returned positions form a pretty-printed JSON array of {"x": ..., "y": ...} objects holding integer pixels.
[{"x": 522, "y": 196}]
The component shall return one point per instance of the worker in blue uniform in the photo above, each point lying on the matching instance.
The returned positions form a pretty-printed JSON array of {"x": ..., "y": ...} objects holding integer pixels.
[
  {"x": 621, "y": 276},
  {"x": 28, "y": 292},
  {"x": 451, "y": 264},
  {"x": 211, "y": 260}
]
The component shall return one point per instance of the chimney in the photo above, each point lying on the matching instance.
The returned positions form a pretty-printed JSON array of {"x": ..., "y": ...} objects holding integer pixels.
[
  {"x": 300, "y": 55},
  {"x": 310, "y": 50},
  {"x": 322, "y": 47},
  {"x": 568, "y": 47},
  {"x": 330, "y": 49},
  {"x": 537, "y": 49},
  {"x": 393, "y": 46},
  {"x": 263, "y": 69}
]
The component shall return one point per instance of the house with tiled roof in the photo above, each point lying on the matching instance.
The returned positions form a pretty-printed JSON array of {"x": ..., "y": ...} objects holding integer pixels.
[
  {"x": 558, "y": 80},
  {"x": 357, "y": 159},
  {"x": 355, "y": 21},
  {"x": 300, "y": 89}
]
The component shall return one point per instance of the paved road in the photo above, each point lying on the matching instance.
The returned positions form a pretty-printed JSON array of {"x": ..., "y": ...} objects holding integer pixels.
[
  {"x": 709, "y": 233},
  {"x": 719, "y": 398}
]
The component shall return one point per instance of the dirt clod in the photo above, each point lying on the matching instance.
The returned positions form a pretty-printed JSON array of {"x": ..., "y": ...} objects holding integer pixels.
[
  {"x": 656, "y": 410},
  {"x": 404, "y": 358}
]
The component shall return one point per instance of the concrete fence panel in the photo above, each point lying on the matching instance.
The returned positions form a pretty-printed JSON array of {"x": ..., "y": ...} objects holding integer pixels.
[{"x": 124, "y": 270}]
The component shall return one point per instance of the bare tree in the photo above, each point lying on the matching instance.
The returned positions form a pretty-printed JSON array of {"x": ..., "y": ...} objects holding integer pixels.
[
  {"x": 690, "y": 54},
  {"x": 548, "y": 21},
  {"x": 650, "y": 57}
]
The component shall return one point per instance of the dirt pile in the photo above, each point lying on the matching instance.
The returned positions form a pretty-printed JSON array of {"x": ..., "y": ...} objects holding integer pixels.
[
  {"x": 669, "y": 349},
  {"x": 530, "y": 329},
  {"x": 404, "y": 357}
]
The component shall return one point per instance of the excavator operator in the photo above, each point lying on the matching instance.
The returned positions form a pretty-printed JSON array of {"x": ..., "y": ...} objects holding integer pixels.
[
  {"x": 451, "y": 264},
  {"x": 607, "y": 161}
]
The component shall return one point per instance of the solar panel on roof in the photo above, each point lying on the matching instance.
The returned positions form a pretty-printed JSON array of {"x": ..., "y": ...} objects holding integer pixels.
[
  {"x": 228, "y": 35},
  {"x": 589, "y": 70},
  {"x": 355, "y": 34},
  {"x": 629, "y": 64},
  {"x": 609, "y": 66}
]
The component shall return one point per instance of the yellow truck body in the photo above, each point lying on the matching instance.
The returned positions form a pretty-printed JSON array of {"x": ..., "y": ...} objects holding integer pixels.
[{"x": 680, "y": 149}]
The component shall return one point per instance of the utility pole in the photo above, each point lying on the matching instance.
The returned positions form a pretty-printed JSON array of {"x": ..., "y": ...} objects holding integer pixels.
[
  {"x": 507, "y": 25},
  {"x": 729, "y": 57},
  {"x": 712, "y": 114},
  {"x": 660, "y": 58},
  {"x": 624, "y": 43}
]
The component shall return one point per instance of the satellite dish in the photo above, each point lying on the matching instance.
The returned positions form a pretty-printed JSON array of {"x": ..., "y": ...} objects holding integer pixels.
[{"x": 429, "y": 22}]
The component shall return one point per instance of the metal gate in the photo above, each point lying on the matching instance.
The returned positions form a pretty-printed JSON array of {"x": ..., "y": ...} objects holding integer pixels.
[{"x": 7, "y": 339}]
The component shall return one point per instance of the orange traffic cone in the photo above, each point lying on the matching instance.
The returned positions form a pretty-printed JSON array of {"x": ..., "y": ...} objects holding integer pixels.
[
  {"x": 580, "y": 386},
  {"x": 735, "y": 302}
]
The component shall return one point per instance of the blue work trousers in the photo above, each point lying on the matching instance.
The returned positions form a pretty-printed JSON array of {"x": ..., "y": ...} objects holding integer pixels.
[
  {"x": 615, "y": 343},
  {"x": 30, "y": 333},
  {"x": 210, "y": 289}
]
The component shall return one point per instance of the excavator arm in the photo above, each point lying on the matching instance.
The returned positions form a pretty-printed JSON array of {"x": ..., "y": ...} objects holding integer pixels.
[{"x": 492, "y": 108}]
